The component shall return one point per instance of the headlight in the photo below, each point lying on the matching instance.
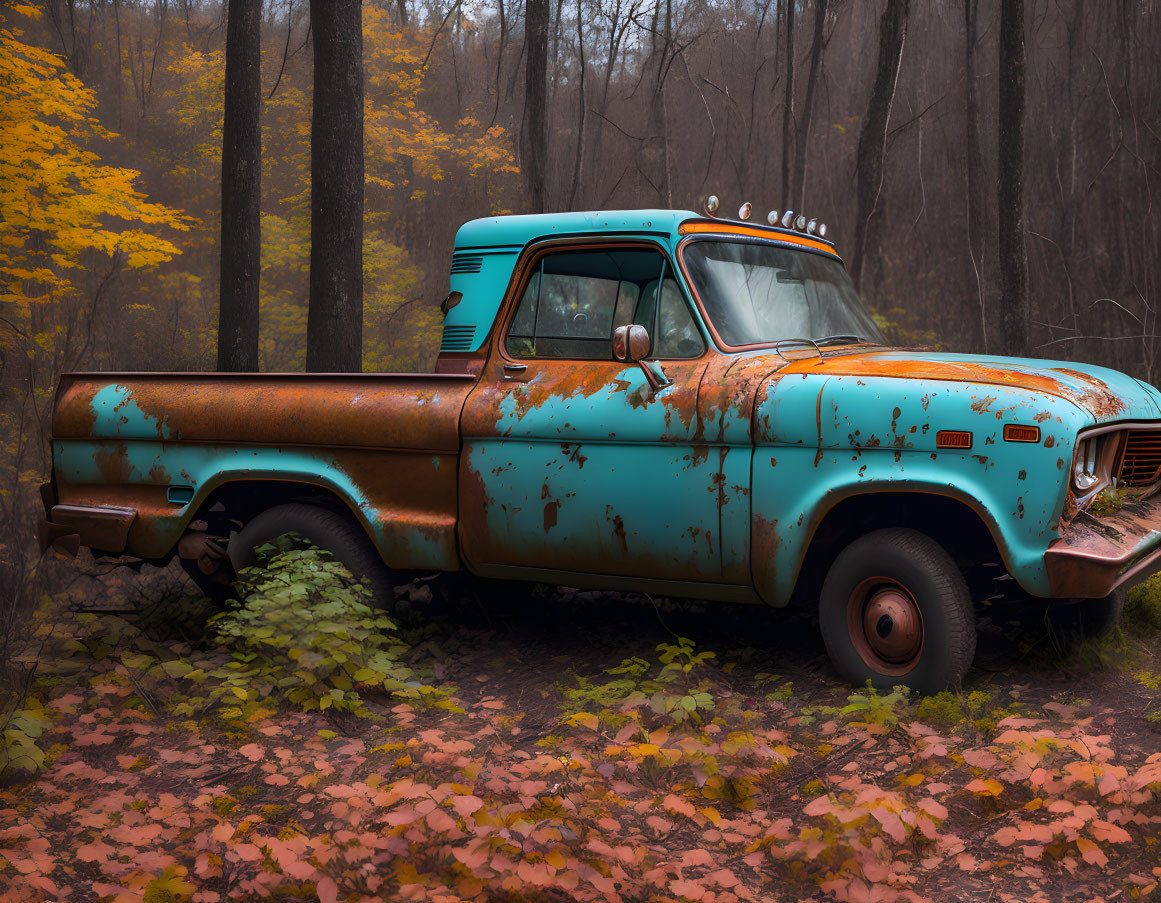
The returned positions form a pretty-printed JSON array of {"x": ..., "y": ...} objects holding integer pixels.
[{"x": 1084, "y": 468}]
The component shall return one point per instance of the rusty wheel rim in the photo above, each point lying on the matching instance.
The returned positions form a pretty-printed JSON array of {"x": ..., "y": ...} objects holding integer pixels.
[{"x": 885, "y": 625}]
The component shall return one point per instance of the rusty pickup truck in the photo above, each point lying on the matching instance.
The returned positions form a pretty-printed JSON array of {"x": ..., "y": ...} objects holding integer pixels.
[{"x": 650, "y": 400}]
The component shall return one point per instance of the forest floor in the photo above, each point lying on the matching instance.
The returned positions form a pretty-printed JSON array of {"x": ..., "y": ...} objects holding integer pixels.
[{"x": 571, "y": 746}]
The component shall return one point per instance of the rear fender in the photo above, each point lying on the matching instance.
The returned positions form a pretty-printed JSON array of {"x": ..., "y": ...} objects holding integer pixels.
[{"x": 404, "y": 500}]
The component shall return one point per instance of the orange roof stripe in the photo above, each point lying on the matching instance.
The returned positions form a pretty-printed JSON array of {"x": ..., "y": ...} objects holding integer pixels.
[{"x": 731, "y": 229}]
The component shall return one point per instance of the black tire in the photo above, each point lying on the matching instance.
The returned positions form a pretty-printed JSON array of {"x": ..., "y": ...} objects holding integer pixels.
[
  {"x": 884, "y": 590},
  {"x": 1085, "y": 619},
  {"x": 327, "y": 530}
]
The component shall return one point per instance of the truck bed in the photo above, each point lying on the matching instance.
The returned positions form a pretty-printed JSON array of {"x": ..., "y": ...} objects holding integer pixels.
[{"x": 158, "y": 446}]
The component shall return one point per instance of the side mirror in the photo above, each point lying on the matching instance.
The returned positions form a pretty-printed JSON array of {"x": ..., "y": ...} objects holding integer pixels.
[{"x": 631, "y": 343}]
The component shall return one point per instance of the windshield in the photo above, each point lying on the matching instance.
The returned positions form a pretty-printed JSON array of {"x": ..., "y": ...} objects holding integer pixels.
[{"x": 757, "y": 293}]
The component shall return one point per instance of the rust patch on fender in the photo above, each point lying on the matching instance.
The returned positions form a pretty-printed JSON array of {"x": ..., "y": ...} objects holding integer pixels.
[
  {"x": 766, "y": 540},
  {"x": 574, "y": 454},
  {"x": 619, "y": 532},
  {"x": 764, "y": 543},
  {"x": 474, "y": 496},
  {"x": 114, "y": 464},
  {"x": 980, "y": 405},
  {"x": 1102, "y": 403}
]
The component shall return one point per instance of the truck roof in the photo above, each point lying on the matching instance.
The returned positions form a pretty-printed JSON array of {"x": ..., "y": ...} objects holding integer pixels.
[{"x": 516, "y": 231}]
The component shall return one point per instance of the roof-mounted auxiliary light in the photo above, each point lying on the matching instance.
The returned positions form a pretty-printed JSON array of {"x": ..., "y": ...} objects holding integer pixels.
[{"x": 786, "y": 219}]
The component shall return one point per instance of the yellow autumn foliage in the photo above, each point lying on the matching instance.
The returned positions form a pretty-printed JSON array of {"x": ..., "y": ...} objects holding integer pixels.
[{"x": 58, "y": 201}]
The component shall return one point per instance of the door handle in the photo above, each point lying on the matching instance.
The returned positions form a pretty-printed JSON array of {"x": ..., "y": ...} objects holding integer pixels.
[{"x": 515, "y": 368}]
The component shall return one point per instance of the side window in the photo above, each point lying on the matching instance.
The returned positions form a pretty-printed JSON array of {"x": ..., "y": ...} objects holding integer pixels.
[
  {"x": 573, "y": 301},
  {"x": 520, "y": 333},
  {"x": 677, "y": 335}
]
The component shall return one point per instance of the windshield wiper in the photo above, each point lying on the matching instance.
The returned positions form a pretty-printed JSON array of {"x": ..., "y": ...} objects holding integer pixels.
[{"x": 838, "y": 340}]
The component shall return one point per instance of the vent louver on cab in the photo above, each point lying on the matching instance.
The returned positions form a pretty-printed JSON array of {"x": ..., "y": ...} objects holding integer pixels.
[
  {"x": 466, "y": 263},
  {"x": 1141, "y": 461},
  {"x": 458, "y": 338}
]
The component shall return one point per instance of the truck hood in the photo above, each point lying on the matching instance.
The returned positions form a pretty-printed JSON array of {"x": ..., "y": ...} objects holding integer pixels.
[{"x": 1107, "y": 395}]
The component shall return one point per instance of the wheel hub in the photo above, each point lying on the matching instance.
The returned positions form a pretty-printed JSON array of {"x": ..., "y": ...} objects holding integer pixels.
[
  {"x": 886, "y": 625},
  {"x": 892, "y": 625}
]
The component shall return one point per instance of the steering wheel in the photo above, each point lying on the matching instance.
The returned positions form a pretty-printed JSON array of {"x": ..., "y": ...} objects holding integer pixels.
[{"x": 580, "y": 319}]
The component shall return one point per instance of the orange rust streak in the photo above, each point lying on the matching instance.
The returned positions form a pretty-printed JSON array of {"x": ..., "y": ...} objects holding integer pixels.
[
  {"x": 405, "y": 411},
  {"x": 698, "y": 228},
  {"x": 857, "y": 365}
]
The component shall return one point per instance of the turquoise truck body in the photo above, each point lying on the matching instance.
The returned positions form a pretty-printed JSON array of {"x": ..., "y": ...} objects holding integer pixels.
[{"x": 734, "y": 474}]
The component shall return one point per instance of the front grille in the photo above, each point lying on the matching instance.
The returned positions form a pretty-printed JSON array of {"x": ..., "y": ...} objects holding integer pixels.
[
  {"x": 1141, "y": 462},
  {"x": 458, "y": 338}
]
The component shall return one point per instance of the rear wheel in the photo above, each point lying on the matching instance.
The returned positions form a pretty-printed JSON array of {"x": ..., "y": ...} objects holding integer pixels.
[
  {"x": 327, "y": 530},
  {"x": 895, "y": 609}
]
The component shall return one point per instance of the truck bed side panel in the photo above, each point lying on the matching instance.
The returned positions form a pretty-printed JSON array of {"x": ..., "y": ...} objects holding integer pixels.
[{"x": 387, "y": 445}]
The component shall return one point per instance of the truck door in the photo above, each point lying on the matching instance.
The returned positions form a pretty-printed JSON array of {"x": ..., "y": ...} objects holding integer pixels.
[{"x": 571, "y": 461}]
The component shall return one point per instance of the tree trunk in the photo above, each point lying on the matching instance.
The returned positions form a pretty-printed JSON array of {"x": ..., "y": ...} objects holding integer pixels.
[
  {"x": 974, "y": 301},
  {"x": 873, "y": 138},
  {"x": 788, "y": 106},
  {"x": 334, "y": 326},
  {"x": 653, "y": 162},
  {"x": 119, "y": 74},
  {"x": 1013, "y": 256},
  {"x": 798, "y": 184},
  {"x": 241, "y": 190},
  {"x": 617, "y": 28},
  {"x": 582, "y": 113},
  {"x": 535, "y": 104}
]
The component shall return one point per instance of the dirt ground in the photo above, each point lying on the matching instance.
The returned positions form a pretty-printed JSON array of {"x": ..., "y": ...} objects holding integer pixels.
[{"x": 1040, "y": 780}]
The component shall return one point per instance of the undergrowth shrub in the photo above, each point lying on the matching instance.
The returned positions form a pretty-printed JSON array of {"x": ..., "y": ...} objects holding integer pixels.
[
  {"x": 306, "y": 632},
  {"x": 867, "y": 707},
  {"x": 947, "y": 711},
  {"x": 1151, "y": 683},
  {"x": 1143, "y": 608},
  {"x": 19, "y": 732},
  {"x": 675, "y": 689}
]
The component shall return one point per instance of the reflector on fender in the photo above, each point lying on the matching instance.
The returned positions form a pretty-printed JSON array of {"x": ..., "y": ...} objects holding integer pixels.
[
  {"x": 1014, "y": 432},
  {"x": 953, "y": 439}
]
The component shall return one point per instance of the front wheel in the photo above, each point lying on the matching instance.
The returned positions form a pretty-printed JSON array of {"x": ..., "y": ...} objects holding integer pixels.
[{"x": 895, "y": 610}]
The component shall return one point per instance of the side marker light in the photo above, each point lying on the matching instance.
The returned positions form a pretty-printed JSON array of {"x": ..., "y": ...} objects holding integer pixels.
[
  {"x": 953, "y": 439},
  {"x": 1014, "y": 432}
]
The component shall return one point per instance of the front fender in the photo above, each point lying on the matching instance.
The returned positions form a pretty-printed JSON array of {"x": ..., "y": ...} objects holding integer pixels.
[{"x": 820, "y": 439}]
